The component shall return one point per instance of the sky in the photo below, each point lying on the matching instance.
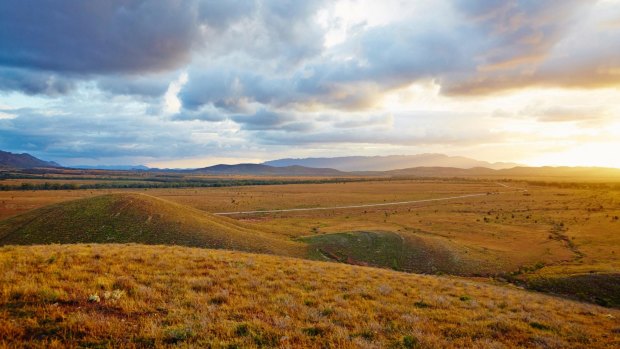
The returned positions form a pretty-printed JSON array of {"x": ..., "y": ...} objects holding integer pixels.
[{"x": 191, "y": 83}]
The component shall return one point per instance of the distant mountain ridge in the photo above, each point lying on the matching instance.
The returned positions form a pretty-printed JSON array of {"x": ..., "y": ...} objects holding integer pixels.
[
  {"x": 262, "y": 169},
  {"x": 112, "y": 167},
  {"x": 12, "y": 160},
  {"x": 390, "y": 162}
]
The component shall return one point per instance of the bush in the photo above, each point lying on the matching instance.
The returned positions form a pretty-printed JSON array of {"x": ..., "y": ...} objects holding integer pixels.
[
  {"x": 410, "y": 342},
  {"x": 539, "y": 326},
  {"x": 242, "y": 330},
  {"x": 421, "y": 304},
  {"x": 178, "y": 334},
  {"x": 313, "y": 331}
]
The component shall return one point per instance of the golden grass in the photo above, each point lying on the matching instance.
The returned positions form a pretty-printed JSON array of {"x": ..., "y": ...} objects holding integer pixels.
[
  {"x": 566, "y": 231},
  {"x": 144, "y": 296}
]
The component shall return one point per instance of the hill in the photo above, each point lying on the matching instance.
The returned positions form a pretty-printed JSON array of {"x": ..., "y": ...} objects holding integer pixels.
[
  {"x": 11, "y": 160},
  {"x": 151, "y": 296},
  {"x": 387, "y": 163},
  {"x": 261, "y": 169},
  {"x": 402, "y": 251},
  {"x": 137, "y": 218}
]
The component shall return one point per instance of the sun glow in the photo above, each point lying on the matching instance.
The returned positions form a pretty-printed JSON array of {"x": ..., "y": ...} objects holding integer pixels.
[{"x": 590, "y": 154}]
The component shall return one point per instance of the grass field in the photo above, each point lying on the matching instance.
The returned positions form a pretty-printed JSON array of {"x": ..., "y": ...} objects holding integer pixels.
[
  {"x": 143, "y": 296},
  {"x": 548, "y": 238}
]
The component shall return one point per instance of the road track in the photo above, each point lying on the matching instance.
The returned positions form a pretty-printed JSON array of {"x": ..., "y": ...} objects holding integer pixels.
[{"x": 369, "y": 205}]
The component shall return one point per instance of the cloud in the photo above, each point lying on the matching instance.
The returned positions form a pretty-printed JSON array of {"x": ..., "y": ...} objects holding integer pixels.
[
  {"x": 270, "y": 120},
  {"x": 204, "y": 114},
  {"x": 33, "y": 83},
  {"x": 103, "y": 132},
  {"x": 189, "y": 77},
  {"x": 97, "y": 36},
  {"x": 479, "y": 48},
  {"x": 351, "y": 121},
  {"x": 384, "y": 58},
  {"x": 275, "y": 50},
  {"x": 219, "y": 14},
  {"x": 540, "y": 43},
  {"x": 150, "y": 86}
]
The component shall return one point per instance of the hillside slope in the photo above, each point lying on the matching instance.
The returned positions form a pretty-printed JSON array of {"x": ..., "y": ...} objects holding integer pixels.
[
  {"x": 137, "y": 218},
  {"x": 146, "y": 296},
  {"x": 400, "y": 251}
]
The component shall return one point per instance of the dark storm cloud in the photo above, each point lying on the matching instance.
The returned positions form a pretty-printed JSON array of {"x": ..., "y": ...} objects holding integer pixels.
[
  {"x": 74, "y": 40},
  {"x": 97, "y": 36},
  {"x": 129, "y": 36},
  {"x": 33, "y": 83},
  {"x": 218, "y": 14}
]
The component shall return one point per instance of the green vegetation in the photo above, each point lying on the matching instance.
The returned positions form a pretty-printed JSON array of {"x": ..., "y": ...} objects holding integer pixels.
[
  {"x": 384, "y": 249},
  {"x": 600, "y": 288},
  {"x": 402, "y": 251}
]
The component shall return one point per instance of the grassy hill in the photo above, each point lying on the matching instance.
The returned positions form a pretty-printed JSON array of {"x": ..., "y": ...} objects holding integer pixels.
[
  {"x": 399, "y": 251},
  {"x": 143, "y": 296},
  {"x": 137, "y": 218},
  {"x": 144, "y": 219},
  {"x": 591, "y": 275}
]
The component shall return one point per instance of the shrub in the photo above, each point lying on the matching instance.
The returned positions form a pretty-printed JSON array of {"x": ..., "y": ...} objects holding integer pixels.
[
  {"x": 219, "y": 299},
  {"x": 178, "y": 334},
  {"x": 421, "y": 304},
  {"x": 410, "y": 342},
  {"x": 242, "y": 330},
  {"x": 539, "y": 326},
  {"x": 313, "y": 331},
  {"x": 367, "y": 335}
]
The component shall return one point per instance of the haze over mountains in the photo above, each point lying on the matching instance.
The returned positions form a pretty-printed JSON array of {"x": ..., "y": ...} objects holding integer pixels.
[
  {"x": 421, "y": 165},
  {"x": 391, "y": 162},
  {"x": 261, "y": 169},
  {"x": 326, "y": 166}
]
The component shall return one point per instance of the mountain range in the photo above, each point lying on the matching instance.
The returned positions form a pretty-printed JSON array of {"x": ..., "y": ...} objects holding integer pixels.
[
  {"x": 261, "y": 169},
  {"x": 391, "y": 162},
  {"x": 12, "y": 160},
  {"x": 422, "y": 165}
]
